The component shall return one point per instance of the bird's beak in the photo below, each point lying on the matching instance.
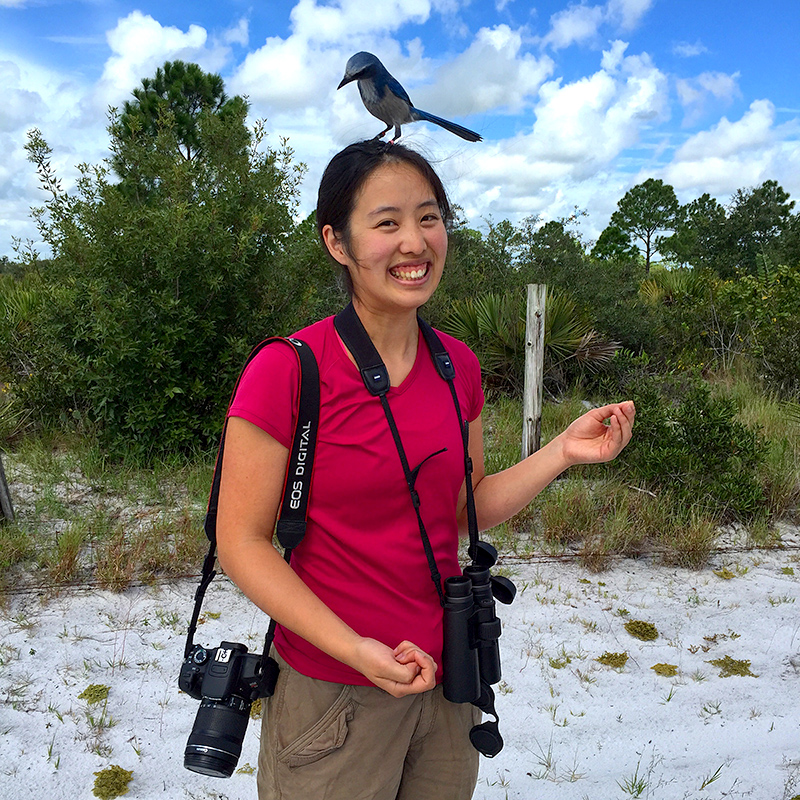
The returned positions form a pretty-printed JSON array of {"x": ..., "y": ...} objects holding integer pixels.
[{"x": 344, "y": 82}]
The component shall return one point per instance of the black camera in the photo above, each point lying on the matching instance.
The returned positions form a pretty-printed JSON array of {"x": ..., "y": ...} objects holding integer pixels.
[
  {"x": 471, "y": 656},
  {"x": 226, "y": 680}
]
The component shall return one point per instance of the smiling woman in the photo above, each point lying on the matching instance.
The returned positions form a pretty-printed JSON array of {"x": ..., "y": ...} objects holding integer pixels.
[{"x": 359, "y": 709}]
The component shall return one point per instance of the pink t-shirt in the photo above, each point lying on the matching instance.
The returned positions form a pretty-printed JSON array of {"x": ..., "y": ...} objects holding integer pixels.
[{"x": 362, "y": 554}]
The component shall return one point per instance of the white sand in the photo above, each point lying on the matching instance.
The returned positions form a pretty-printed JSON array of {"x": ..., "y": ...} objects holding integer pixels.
[{"x": 573, "y": 728}]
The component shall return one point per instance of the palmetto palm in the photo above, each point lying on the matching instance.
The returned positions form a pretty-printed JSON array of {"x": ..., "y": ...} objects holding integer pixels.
[{"x": 494, "y": 326}]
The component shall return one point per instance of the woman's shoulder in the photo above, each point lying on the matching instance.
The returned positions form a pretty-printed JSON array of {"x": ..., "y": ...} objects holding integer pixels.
[{"x": 316, "y": 333}]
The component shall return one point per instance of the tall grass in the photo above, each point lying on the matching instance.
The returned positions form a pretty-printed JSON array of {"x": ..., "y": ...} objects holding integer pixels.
[
  {"x": 774, "y": 416},
  {"x": 599, "y": 517},
  {"x": 83, "y": 518}
]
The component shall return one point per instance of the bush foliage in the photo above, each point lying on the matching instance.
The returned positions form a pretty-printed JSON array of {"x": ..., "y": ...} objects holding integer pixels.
[
  {"x": 158, "y": 284},
  {"x": 689, "y": 444}
]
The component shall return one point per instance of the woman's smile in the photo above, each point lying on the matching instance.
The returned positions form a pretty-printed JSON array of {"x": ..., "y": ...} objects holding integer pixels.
[{"x": 411, "y": 273}]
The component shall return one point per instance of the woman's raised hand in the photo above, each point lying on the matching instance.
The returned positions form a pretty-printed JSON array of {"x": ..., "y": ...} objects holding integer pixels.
[{"x": 599, "y": 435}]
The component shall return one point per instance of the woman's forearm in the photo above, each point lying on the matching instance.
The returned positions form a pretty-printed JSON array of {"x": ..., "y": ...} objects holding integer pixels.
[
  {"x": 267, "y": 580},
  {"x": 500, "y": 496}
]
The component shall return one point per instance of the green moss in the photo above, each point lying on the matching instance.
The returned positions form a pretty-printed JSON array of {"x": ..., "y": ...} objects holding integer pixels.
[
  {"x": 246, "y": 769},
  {"x": 667, "y": 670},
  {"x": 787, "y": 571},
  {"x": 724, "y": 573},
  {"x": 730, "y": 666},
  {"x": 615, "y": 660},
  {"x": 94, "y": 693},
  {"x": 645, "y": 631},
  {"x": 255, "y": 709},
  {"x": 111, "y": 782}
]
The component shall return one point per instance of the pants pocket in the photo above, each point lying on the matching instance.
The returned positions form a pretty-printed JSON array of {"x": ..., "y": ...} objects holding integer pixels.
[{"x": 324, "y": 737}]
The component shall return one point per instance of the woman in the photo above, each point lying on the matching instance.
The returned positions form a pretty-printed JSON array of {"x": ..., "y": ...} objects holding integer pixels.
[{"x": 358, "y": 711}]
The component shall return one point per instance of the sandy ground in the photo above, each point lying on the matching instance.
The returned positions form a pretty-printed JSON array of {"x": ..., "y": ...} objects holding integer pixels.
[{"x": 573, "y": 728}]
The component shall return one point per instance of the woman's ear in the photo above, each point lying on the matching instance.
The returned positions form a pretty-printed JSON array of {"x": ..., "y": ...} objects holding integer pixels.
[{"x": 334, "y": 245}]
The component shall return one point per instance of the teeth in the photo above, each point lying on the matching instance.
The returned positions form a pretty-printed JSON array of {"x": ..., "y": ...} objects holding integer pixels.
[{"x": 410, "y": 274}]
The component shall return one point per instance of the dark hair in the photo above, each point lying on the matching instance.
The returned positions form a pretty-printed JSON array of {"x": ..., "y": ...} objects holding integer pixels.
[{"x": 346, "y": 174}]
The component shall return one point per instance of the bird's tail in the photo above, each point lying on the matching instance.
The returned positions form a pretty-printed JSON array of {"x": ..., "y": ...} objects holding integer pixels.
[{"x": 458, "y": 130}]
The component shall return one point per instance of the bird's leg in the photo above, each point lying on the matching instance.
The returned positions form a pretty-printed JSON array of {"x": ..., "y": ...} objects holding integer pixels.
[{"x": 382, "y": 133}]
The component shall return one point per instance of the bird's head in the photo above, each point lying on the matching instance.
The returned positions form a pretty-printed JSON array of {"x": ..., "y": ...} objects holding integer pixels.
[{"x": 361, "y": 65}]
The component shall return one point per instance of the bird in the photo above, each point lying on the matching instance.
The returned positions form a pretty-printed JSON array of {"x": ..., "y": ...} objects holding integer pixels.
[{"x": 387, "y": 100}]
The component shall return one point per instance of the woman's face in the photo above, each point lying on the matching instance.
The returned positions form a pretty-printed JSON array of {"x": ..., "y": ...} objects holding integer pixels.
[{"x": 397, "y": 240}]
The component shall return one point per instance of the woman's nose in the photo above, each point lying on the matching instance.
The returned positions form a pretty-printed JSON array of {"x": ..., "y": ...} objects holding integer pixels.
[{"x": 413, "y": 240}]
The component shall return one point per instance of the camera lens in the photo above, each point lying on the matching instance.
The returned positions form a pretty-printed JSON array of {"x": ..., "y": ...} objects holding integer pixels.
[{"x": 215, "y": 743}]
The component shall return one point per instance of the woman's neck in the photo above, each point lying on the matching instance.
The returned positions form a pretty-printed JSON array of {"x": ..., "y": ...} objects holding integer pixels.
[{"x": 395, "y": 336}]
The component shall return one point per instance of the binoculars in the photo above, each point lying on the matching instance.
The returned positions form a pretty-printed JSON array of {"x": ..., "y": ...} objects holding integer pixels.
[{"x": 471, "y": 657}]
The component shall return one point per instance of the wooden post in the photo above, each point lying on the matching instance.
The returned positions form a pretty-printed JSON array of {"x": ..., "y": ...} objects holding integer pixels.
[
  {"x": 534, "y": 369},
  {"x": 5, "y": 497}
]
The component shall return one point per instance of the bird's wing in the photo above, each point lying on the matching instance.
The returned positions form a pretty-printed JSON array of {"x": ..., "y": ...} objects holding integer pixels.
[{"x": 393, "y": 85}]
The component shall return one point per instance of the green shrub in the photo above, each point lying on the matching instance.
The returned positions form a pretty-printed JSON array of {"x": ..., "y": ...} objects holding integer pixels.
[
  {"x": 159, "y": 284},
  {"x": 689, "y": 443}
]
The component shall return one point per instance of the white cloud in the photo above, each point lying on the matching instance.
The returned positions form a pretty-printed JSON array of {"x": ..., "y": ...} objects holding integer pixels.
[
  {"x": 140, "y": 44},
  {"x": 613, "y": 58},
  {"x": 590, "y": 121},
  {"x": 289, "y": 74},
  {"x": 574, "y": 25},
  {"x": 20, "y": 105},
  {"x": 492, "y": 74},
  {"x": 580, "y": 23},
  {"x": 571, "y": 154},
  {"x": 35, "y": 97},
  {"x": 695, "y": 93},
  {"x": 753, "y": 130},
  {"x": 12, "y": 3},
  {"x": 627, "y": 13},
  {"x": 688, "y": 50},
  {"x": 240, "y": 34},
  {"x": 354, "y": 18},
  {"x": 731, "y": 155}
]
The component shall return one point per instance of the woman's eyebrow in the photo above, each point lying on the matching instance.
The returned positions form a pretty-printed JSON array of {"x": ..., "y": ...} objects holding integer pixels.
[{"x": 395, "y": 209}]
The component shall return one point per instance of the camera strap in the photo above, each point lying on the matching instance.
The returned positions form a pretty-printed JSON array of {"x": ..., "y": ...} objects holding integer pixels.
[
  {"x": 376, "y": 379},
  {"x": 291, "y": 525}
]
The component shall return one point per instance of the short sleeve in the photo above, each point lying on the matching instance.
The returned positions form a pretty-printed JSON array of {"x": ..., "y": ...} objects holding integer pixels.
[
  {"x": 475, "y": 387},
  {"x": 468, "y": 376},
  {"x": 267, "y": 392}
]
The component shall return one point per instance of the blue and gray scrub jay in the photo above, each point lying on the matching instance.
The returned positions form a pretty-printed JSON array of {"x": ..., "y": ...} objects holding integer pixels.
[{"x": 387, "y": 100}]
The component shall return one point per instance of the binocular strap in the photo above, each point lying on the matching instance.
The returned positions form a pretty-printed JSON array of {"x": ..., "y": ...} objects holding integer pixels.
[{"x": 485, "y": 737}]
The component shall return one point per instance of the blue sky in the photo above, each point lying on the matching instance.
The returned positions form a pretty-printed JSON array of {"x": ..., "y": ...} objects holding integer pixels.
[{"x": 576, "y": 102}]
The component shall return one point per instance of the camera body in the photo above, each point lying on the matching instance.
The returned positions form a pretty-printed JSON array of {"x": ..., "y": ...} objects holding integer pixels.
[{"x": 226, "y": 680}]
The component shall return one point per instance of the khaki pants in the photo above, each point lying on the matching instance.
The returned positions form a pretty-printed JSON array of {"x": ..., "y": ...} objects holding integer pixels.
[{"x": 329, "y": 741}]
